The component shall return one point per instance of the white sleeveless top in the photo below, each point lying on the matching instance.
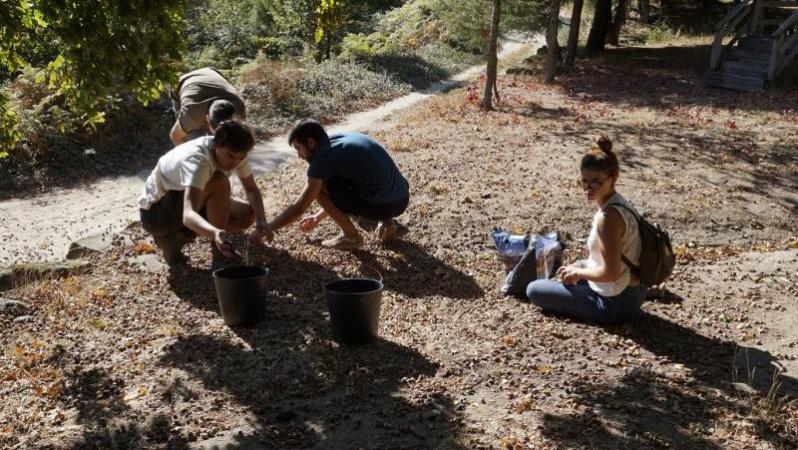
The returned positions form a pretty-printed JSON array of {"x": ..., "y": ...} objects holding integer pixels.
[{"x": 630, "y": 247}]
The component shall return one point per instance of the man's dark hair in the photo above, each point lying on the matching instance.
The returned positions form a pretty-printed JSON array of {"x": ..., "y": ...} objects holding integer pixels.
[
  {"x": 306, "y": 129},
  {"x": 220, "y": 111},
  {"x": 235, "y": 136}
]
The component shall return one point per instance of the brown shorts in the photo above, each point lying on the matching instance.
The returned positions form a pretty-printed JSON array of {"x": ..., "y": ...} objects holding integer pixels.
[{"x": 166, "y": 216}]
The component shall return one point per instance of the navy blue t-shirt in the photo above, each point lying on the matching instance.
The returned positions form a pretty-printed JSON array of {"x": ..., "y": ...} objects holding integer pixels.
[{"x": 362, "y": 162}]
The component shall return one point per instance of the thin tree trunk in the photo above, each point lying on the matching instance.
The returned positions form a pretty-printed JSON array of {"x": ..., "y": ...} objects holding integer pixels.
[
  {"x": 328, "y": 46},
  {"x": 493, "y": 58},
  {"x": 601, "y": 24},
  {"x": 553, "y": 53},
  {"x": 573, "y": 33},
  {"x": 644, "y": 10},
  {"x": 617, "y": 23}
]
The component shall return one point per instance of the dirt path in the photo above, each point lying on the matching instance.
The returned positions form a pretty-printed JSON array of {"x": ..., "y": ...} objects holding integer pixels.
[{"x": 41, "y": 228}]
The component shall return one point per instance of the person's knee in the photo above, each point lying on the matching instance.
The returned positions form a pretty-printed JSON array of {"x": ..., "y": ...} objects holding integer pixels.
[
  {"x": 534, "y": 290},
  {"x": 219, "y": 184},
  {"x": 539, "y": 292}
]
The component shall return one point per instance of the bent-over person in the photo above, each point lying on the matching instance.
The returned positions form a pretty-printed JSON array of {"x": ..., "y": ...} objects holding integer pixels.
[
  {"x": 349, "y": 174},
  {"x": 193, "y": 98}
]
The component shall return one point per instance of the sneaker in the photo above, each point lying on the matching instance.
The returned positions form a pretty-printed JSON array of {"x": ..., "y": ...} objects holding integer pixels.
[
  {"x": 341, "y": 242},
  {"x": 386, "y": 230}
]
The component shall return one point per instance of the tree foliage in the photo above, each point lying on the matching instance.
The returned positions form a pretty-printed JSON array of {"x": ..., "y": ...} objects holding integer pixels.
[
  {"x": 289, "y": 26},
  {"x": 467, "y": 22},
  {"x": 231, "y": 27},
  {"x": 91, "y": 51},
  {"x": 330, "y": 17}
]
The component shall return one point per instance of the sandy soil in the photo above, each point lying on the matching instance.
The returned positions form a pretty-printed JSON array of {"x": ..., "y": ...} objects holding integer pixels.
[{"x": 136, "y": 356}]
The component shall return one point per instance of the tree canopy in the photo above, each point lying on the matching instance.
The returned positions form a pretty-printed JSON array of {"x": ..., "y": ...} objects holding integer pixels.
[{"x": 90, "y": 51}]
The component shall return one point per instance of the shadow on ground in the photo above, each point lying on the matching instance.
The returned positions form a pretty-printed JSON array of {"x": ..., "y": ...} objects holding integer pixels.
[
  {"x": 307, "y": 391},
  {"x": 411, "y": 270},
  {"x": 662, "y": 77},
  {"x": 98, "y": 398},
  {"x": 656, "y": 409}
]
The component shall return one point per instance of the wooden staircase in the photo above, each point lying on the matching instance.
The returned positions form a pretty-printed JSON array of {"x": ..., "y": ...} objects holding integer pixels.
[{"x": 763, "y": 42}]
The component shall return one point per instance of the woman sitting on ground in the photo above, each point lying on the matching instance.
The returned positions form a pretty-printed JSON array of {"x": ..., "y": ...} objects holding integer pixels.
[{"x": 602, "y": 288}]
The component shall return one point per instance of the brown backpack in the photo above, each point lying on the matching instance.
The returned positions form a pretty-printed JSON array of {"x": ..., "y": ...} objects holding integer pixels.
[{"x": 656, "y": 254}]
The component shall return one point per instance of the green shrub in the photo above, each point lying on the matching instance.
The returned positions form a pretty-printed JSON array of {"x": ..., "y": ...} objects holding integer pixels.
[
  {"x": 278, "y": 93},
  {"x": 333, "y": 82},
  {"x": 9, "y": 121},
  {"x": 662, "y": 32},
  {"x": 227, "y": 28},
  {"x": 279, "y": 47}
]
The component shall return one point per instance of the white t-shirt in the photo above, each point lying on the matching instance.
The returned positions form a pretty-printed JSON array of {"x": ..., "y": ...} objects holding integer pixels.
[
  {"x": 190, "y": 164},
  {"x": 630, "y": 247}
]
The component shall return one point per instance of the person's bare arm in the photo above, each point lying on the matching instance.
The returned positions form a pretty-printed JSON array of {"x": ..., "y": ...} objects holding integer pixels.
[
  {"x": 611, "y": 227},
  {"x": 193, "y": 220},
  {"x": 300, "y": 205},
  {"x": 255, "y": 199},
  {"x": 177, "y": 135}
]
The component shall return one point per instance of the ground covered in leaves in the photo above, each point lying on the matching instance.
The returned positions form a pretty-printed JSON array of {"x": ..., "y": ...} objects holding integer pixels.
[{"x": 134, "y": 355}]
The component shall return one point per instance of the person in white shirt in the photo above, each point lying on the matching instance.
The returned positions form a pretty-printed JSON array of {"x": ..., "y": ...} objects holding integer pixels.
[
  {"x": 188, "y": 192},
  {"x": 603, "y": 288}
]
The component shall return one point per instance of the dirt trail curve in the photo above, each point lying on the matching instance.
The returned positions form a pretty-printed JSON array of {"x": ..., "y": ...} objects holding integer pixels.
[{"x": 41, "y": 228}]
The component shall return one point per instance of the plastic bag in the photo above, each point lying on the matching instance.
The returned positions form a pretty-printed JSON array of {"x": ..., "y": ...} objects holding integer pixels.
[
  {"x": 540, "y": 260},
  {"x": 511, "y": 247}
]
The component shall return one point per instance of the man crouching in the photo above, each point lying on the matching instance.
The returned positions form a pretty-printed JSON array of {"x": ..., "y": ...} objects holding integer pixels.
[
  {"x": 188, "y": 192},
  {"x": 348, "y": 174}
]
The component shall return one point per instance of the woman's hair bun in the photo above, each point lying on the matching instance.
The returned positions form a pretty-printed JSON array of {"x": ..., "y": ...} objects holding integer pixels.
[{"x": 605, "y": 144}]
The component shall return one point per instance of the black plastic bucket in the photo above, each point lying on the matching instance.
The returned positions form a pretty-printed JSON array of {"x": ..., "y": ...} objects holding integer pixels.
[
  {"x": 242, "y": 294},
  {"x": 354, "y": 305}
]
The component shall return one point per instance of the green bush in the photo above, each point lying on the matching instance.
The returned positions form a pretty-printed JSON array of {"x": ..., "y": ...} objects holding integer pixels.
[
  {"x": 278, "y": 93},
  {"x": 9, "y": 121},
  {"x": 279, "y": 47},
  {"x": 360, "y": 46},
  {"x": 222, "y": 30}
]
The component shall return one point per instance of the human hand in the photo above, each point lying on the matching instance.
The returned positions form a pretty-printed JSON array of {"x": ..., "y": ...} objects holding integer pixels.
[
  {"x": 224, "y": 246},
  {"x": 308, "y": 223},
  {"x": 263, "y": 230},
  {"x": 569, "y": 274}
]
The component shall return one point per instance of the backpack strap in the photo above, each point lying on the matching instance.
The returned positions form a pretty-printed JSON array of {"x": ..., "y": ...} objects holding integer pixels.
[{"x": 632, "y": 267}]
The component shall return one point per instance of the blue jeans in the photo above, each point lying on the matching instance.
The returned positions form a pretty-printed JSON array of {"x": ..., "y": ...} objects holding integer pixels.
[{"x": 580, "y": 302}]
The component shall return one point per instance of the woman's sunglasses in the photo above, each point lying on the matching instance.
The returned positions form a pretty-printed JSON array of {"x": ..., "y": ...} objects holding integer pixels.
[{"x": 593, "y": 185}]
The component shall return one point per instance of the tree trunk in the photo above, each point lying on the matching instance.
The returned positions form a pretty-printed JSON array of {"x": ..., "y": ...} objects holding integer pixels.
[
  {"x": 573, "y": 33},
  {"x": 328, "y": 47},
  {"x": 553, "y": 53},
  {"x": 493, "y": 58},
  {"x": 601, "y": 24},
  {"x": 644, "y": 10},
  {"x": 617, "y": 23}
]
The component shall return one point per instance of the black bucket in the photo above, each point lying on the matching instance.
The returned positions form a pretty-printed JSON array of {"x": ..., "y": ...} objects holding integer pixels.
[
  {"x": 354, "y": 305},
  {"x": 242, "y": 294}
]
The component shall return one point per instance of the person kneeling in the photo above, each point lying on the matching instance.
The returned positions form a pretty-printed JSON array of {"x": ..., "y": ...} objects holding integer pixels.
[
  {"x": 601, "y": 289},
  {"x": 348, "y": 174},
  {"x": 188, "y": 192}
]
